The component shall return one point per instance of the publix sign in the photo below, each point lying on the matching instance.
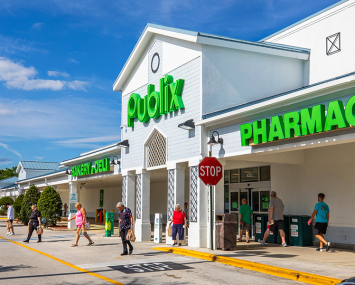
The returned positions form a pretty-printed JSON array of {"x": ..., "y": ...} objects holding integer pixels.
[
  {"x": 155, "y": 103},
  {"x": 296, "y": 124},
  {"x": 101, "y": 165}
]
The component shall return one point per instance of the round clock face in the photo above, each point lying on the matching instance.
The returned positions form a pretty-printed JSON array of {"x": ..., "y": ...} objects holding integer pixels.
[{"x": 155, "y": 62}]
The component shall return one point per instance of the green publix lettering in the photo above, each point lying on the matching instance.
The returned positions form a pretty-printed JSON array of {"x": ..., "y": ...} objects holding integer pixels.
[
  {"x": 101, "y": 165},
  {"x": 155, "y": 103},
  {"x": 296, "y": 124}
]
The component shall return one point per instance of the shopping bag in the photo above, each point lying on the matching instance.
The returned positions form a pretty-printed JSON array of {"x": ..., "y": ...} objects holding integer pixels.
[
  {"x": 39, "y": 230},
  {"x": 170, "y": 231},
  {"x": 87, "y": 225},
  {"x": 130, "y": 236}
]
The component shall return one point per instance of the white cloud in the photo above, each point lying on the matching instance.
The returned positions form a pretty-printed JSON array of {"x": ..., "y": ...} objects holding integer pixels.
[
  {"x": 17, "y": 76},
  {"x": 10, "y": 149},
  {"x": 37, "y": 26},
  {"x": 73, "y": 60},
  {"x": 111, "y": 138},
  {"x": 58, "y": 73},
  {"x": 4, "y": 111},
  {"x": 12, "y": 45},
  {"x": 4, "y": 161},
  {"x": 38, "y": 157}
]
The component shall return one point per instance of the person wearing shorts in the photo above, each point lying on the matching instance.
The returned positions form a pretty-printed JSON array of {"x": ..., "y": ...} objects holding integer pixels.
[
  {"x": 10, "y": 219},
  {"x": 276, "y": 210},
  {"x": 245, "y": 215},
  {"x": 321, "y": 211}
]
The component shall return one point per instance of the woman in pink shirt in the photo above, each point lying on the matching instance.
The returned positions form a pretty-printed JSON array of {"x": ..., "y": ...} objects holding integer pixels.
[{"x": 80, "y": 219}]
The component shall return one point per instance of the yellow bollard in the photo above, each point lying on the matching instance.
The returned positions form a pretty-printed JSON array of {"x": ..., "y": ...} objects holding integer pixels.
[
  {"x": 96, "y": 212},
  {"x": 104, "y": 214}
]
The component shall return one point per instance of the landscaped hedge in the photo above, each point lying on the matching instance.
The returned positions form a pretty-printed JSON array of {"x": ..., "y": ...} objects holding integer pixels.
[
  {"x": 31, "y": 198},
  {"x": 18, "y": 206},
  {"x": 50, "y": 204}
]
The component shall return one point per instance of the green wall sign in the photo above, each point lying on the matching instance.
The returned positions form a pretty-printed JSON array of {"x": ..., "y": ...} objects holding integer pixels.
[
  {"x": 295, "y": 124},
  {"x": 101, "y": 165},
  {"x": 155, "y": 103}
]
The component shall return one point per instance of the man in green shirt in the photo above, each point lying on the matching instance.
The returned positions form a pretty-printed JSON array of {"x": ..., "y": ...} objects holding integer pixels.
[{"x": 245, "y": 215}]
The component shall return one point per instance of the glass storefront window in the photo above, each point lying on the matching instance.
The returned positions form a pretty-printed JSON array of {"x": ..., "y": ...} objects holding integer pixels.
[
  {"x": 234, "y": 201},
  {"x": 226, "y": 199},
  {"x": 243, "y": 195},
  {"x": 226, "y": 176},
  {"x": 265, "y": 173},
  {"x": 249, "y": 174},
  {"x": 234, "y": 176},
  {"x": 265, "y": 200},
  {"x": 255, "y": 201}
]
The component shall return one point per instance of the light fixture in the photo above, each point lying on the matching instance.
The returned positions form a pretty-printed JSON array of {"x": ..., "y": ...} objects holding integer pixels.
[
  {"x": 188, "y": 125},
  {"x": 113, "y": 161},
  {"x": 213, "y": 141},
  {"x": 68, "y": 171},
  {"x": 124, "y": 144}
]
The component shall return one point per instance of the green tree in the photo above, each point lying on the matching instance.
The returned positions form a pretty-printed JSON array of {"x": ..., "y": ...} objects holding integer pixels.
[
  {"x": 18, "y": 205},
  {"x": 3, "y": 201},
  {"x": 8, "y": 172},
  {"x": 50, "y": 204},
  {"x": 31, "y": 197}
]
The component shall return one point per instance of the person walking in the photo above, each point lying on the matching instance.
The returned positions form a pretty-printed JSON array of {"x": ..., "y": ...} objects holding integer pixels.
[
  {"x": 179, "y": 222},
  {"x": 321, "y": 212},
  {"x": 65, "y": 207},
  {"x": 35, "y": 221},
  {"x": 10, "y": 219},
  {"x": 245, "y": 216},
  {"x": 126, "y": 223},
  {"x": 276, "y": 218},
  {"x": 80, "y": 219}
]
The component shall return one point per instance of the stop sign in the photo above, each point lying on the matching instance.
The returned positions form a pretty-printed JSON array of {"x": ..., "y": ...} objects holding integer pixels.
[{"x": 210, "y": 171}]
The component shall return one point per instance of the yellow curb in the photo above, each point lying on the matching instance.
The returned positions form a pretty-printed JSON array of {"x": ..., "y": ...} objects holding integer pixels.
[
  {"x": 263, "y": 268},
  {"x": 66, "y": 263}
]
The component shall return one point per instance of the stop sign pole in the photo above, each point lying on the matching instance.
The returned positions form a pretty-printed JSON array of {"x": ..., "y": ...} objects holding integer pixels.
[{"x": 210, "y": 172}]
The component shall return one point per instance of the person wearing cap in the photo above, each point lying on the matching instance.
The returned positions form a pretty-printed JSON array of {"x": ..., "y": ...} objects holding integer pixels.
[{"x": 276, "y": 218}]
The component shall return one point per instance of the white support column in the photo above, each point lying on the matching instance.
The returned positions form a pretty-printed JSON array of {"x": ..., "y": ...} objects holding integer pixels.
[
  {"x": 74, "y": 188},
  {"x": 218, "y": 201},
  {"x": 176, "y": 195},
  {"x": 198, "y": 208},
  {"x": 129, "y": 191},
  {"x": 143, "y": 228}
]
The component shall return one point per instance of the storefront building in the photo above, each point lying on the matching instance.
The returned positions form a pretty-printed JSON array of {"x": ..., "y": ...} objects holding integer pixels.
[{"x": 283, "y": 107}]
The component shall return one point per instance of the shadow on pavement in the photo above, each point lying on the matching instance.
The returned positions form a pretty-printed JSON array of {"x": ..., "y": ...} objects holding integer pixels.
[{"x": 12, "y": 268}]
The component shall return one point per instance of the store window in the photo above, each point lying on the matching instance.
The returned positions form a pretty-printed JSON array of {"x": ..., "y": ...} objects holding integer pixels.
[
  {"x": 249, "y": 174},
  {"x": 226, "y": 176},
  {"x": 265, "y": 173},
  {"x": 226, "y": 199},
  {"x": 234, "y": 201},
  {"x": 234, "y": 176},
  {"x": 265, "y": 200}
]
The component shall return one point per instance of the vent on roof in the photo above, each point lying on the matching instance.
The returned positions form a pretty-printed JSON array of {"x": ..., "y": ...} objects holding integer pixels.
[
  {"x": 156, "y": 150},
  {"x": 333, "y": 44}
]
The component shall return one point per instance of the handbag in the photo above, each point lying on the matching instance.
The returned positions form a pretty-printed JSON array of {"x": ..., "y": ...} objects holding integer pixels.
[{"x": 170, "y": 231}]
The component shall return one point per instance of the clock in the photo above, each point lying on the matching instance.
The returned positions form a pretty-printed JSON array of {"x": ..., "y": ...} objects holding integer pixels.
[{"x": 154, "y": 65}]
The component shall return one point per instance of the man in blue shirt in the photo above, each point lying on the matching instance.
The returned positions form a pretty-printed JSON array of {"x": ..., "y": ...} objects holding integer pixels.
[{"x": 321, "y": 211}]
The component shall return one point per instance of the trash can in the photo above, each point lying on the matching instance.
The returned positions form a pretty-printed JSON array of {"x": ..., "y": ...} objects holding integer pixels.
[
  {"x": 259, "y": 225},
  {"x": 300, "y": 233},
  {"x": 286, "y": 228},
  {"x": 226, "y": 231},
  {"x": 109, "y": 224}
]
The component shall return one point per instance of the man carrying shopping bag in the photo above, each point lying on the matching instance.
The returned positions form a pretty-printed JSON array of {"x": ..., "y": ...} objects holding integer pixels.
[{"x": 126, "y": 223}]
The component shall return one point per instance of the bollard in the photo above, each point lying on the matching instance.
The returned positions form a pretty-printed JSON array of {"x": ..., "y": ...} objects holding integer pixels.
[
  {"x": 96, "y": 216},
  {"x": 109, "y": 223},
  {"x": 104, "y": 213}
]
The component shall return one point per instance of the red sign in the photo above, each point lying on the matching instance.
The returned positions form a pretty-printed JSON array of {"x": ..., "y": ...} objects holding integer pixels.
[{"x": 210, "y": 171}]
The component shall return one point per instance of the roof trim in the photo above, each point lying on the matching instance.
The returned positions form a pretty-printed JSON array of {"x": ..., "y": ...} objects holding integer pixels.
[
  {"x": 231, "y": 113},
  {"x": 53, "y": 173},
  {"x": 201, "y": 38},
  {"x": 304, "y": 20}
]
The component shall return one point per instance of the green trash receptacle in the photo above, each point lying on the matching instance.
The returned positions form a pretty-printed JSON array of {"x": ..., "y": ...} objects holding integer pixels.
[
  {"x": 286, "y": 228},
  {"x": 109, "y": 223},
  {"x": 259, "y": 226},
  {"x": 300, "y": 232}
]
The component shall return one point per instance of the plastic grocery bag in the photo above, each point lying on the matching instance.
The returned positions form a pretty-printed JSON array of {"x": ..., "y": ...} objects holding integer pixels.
[{"x": 130, "y": 235}]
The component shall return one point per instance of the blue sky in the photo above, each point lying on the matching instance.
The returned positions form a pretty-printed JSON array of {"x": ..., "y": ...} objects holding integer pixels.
[{"x": 59, "y": 59}]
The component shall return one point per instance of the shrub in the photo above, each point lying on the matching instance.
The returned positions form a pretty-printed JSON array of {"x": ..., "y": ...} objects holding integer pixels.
[
  {"x": 31, "y": 197},
  {"x": 18, "y": 205},
  {"x": 50, "y": 204},
  {"x": 5, "y": 200},
  {"x": 3, "y": 210}
]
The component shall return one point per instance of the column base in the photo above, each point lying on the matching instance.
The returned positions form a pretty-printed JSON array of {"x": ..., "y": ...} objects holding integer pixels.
[
  {"x": 197, "y": 235},
  {"x": 143, "y": 231},
  {"x": 71, "y": 224}
]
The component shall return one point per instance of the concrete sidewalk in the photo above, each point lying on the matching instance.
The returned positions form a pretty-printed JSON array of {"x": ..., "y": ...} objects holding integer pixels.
[{"x": 336, "y": 263}]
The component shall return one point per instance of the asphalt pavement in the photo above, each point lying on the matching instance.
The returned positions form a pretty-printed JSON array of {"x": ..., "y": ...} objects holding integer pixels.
[{"x": 54, "y": 261}]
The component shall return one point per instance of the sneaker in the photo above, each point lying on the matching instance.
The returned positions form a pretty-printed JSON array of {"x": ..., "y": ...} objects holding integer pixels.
[
  {"x": 174, "y": 244},
  {"x": 25, "y": 240},
  {"x": 320, "y": 249},
  {"x": 327, "y": 247},
  {"x": 261, "y": 241},
  {"x": 284, "y": 244},
  {"x": 7, "y": 233}
]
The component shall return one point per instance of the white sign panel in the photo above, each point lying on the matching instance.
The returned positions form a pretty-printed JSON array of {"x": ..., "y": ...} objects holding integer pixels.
[
  {"x": 72, "y": 201},
  {"x": 294, "y": 230}
]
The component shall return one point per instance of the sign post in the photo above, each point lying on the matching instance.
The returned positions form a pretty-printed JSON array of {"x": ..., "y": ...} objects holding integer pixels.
[{"x": 210, "y": 172}]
